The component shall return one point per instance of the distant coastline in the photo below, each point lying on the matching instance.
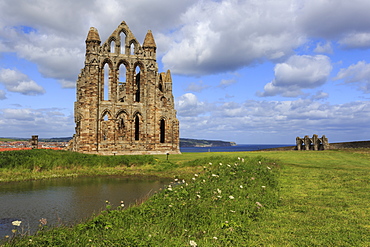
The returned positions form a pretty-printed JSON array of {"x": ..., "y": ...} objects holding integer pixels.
[
  {"x": 7, "y": 143},
  {"x": 187, "y": 142}
]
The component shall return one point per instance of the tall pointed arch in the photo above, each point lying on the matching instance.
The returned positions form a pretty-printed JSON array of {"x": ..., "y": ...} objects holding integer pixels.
[
  {"x": 106, "y": 79},
  {"x": 137, "y": 118},
  {"x": 106, "y": 82},
  {"x": 137, "y": 83},
  {"x": 106, "y": 115},
  {"x": 122, "y": 78},
  {"x": 162, "y": 130},
  {"x": 123, "y": 36},
  {"x": 121, "y": 125},
  {"x": 133, "y": 47},
  {"x": 122, "y": 71},
  {"x": 112, "y": 47},
  {"x": 105, "y": 125}
]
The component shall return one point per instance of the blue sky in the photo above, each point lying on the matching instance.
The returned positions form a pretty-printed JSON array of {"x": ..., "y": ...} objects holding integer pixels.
[{"x": 253, "y": 72}]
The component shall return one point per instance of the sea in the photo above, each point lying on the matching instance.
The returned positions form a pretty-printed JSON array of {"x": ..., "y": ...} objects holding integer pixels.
[{"x": 237, "y": 148}]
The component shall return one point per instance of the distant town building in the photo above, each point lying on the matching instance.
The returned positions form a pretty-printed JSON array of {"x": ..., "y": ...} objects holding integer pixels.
[
  {"x": 124, "y": 106},
  {"x": 35, "y": 142}
]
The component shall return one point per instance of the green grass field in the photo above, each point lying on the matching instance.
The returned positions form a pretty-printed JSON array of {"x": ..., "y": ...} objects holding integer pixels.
[{"x": 272, "y": 198}]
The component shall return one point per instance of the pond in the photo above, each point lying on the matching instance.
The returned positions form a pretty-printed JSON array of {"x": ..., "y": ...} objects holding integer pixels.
[{"x": 66, "y": 201}]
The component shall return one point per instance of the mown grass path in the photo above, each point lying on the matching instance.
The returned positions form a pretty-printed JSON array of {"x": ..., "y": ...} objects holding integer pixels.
[{"x": 324, "y": 201}]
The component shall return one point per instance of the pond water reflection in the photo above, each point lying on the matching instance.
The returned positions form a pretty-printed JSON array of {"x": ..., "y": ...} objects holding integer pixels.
[{"x": 66, "y": 201}]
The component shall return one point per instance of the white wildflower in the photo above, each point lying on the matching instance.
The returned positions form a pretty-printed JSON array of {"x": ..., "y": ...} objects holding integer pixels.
[
  {"x": 198, "y": 196},
  {"x": 219, "y": 191},
  {"x": 215, "y": 238},
  {"x": 231, "y": 197},
  {"x": 263, "y": 187},
  {"x": 169, "y": 188},
  {"x": 193, "y": 243},
  {"x": 195, "y": 175},
  {"x": 176, "y": 179},
  {"x": 229, "y": 165},
  {"x": 220, "y": 164},
  {"x": 170, "y": 206},
  {"x": 269, "y": 168},
  {"x": 193, "y": 178},
  {"x": 16, "y": 223},
  {"x": 241, "y": 186},
  {"x": 242, "y": 160}
]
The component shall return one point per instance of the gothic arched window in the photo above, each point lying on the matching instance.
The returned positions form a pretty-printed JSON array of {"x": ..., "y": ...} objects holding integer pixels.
[
  {"x": 162, "y": 131},
  {"x": 106, "y": 71},
  {"x": 137, "y": 84},
  {"x": 137, "y": 127}
]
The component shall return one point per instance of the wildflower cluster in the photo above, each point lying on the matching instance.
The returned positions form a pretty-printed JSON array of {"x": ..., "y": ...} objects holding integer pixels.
[{"x": 233, "y": 191}]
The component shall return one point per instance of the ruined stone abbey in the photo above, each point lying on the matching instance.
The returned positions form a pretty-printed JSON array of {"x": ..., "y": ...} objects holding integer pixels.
[{"x": 124, "y": 106}]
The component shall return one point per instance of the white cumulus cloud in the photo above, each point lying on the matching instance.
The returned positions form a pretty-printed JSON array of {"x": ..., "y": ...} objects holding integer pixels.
[
  {"x": 47, "y": 122},
  {"x": 324, "y": 48},
  {"x": 226, "y": 35},
  {"x": 337, "y": 19},
  {"x": 297, "y": 73},
  {"x": 359, "y": 74},
  {"x": 189, "y": 105},
  {"x": 16, "y": 81}
]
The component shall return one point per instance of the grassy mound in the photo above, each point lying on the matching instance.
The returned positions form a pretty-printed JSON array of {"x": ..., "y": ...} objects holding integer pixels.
[{"x": 216, "y": 207}]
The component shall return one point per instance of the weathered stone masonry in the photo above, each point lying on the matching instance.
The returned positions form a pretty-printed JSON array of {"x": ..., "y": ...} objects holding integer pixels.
[
  {"x": 314, "y": 143},
  {"x": 124, "y": 106}
]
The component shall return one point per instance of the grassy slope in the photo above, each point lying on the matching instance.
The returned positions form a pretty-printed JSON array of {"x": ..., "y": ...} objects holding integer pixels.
[{"x": 323, "y": 199}]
